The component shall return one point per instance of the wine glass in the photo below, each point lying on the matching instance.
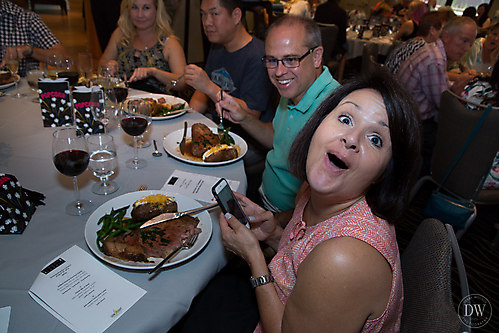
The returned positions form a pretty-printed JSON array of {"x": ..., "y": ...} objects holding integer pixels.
[
  {"x": 134, "y": 121},
  {"x": 70, "y": 156},
  {"x": 103, "y": 162},
  {"x": 85, "y": 66},
  {"x": 12, "y": 63},
  {"x": 34, "y": 72},
  {"x": 103, "y": 105},
  {"x": 54, "y": 65},
  {"x": 69, "y": 71}
]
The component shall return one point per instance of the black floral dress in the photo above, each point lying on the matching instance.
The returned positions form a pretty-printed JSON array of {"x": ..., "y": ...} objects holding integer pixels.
[{"x": 129, "y": 59}]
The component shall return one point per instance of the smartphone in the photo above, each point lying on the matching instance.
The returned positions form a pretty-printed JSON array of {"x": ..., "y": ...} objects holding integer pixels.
[{"x": 227, "y": 201}]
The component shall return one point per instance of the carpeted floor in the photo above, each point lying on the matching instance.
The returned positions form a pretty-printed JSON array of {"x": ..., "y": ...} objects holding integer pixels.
[{"x": 482, "y": 263}]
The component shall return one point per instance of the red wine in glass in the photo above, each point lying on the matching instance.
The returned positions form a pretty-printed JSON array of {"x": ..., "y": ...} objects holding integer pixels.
[
  {"x": 71, "y": 162},
  {"x": 70, "y": 156},
  {"x": 121, "y": 93},
  {"x": 134, "y": 122},
  {"x": 134, "y": 126},
  {"x": 71, "y": 76}
]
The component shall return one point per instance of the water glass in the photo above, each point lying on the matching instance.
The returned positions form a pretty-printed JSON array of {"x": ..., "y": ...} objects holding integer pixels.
[
  {"x": 103, "y": 162},
  {"x": 34, "y": 72}
]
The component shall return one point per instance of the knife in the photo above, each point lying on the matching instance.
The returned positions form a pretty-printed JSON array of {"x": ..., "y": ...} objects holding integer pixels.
[
  {"x": 182, "y": 143},
  {"x": 171, "y": 216}
]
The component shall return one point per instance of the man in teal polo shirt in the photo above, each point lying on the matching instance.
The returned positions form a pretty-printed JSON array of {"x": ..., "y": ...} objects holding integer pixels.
[{"x": 293, "y": 58}]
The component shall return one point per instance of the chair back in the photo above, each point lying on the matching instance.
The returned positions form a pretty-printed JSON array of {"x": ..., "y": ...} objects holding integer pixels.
[
  {"x": 369, "y": 57},
  {"x": 455, "y": 124},
  {"x": 329, "y": 32},
  {"x": 426, "y": 270}
]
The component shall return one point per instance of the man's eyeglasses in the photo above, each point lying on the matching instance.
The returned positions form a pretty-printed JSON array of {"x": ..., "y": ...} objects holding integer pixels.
[{"x": 288, "y": 62}]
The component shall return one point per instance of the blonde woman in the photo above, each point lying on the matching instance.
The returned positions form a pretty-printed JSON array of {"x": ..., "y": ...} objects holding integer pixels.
[{"x": 145, "y": 48}]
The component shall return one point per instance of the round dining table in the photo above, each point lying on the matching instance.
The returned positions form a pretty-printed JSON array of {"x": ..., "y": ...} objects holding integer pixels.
[
  {"x": 355, "y": 45},
  {"x": 26, "y": 153}
]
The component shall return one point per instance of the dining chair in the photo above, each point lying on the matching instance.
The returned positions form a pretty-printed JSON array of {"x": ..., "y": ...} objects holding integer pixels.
[
  {"x": 336, "y": 67},
  {"x": 455, "y": 124},
  {"x": 370, "y": 54},
  {"x": 426, "y": 269},
  {"x": 329, "y": 33}
]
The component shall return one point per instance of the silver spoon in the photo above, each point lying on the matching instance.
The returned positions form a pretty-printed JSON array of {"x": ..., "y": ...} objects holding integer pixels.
[{"x": 156, "y": 153}]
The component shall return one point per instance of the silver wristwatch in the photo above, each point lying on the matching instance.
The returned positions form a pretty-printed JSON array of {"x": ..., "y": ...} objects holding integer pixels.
[{"x": 261, "y": 280}]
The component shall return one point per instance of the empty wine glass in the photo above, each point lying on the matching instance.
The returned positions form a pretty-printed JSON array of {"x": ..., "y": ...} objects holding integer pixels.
[
  {"x": 103, "y": 105},
  {"x": 85, "y": 66},
  {"x": 134, "y": 121},
  {"x": 103, "y": 162},
  {"x": 12, "y": 63},
  {"x": 70, "y": 156},
  {"x": 34, "y": 72}
]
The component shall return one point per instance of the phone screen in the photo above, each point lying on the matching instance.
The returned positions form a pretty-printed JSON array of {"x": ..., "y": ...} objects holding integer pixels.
[{"x": 228, "y": 202}]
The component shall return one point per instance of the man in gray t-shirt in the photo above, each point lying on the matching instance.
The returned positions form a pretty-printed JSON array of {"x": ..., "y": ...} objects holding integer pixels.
[{"x": 234, "y": 65}]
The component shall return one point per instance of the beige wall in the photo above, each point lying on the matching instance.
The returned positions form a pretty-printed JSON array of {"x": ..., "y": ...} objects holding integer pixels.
[{"x": 195, "y": 47}]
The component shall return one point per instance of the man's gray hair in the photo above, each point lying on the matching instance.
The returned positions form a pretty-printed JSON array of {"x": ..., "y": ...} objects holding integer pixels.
[
  {"x": 454, "y": 25},
  {"x": 312, "y": 31}
]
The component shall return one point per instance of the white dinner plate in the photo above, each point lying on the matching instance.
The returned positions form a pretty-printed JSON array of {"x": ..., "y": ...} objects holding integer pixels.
[
  {"x": 8, "y": 85},
  {"x": 183, "y": 203},
  {"x": 169, "y": 99},
  {"x": 172, "y": 140}
]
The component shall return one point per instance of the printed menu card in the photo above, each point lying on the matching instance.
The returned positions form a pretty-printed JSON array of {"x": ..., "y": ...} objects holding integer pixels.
[
  {"x": 195, "y": 186},
  {"x": 83, "y": 293}
]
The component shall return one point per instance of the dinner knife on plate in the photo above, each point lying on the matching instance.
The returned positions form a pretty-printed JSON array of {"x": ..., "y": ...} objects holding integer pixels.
[{"x": 171, "y": 216}]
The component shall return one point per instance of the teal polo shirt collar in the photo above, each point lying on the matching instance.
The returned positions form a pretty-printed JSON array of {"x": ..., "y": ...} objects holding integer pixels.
[{"x": 312, "y": 94}]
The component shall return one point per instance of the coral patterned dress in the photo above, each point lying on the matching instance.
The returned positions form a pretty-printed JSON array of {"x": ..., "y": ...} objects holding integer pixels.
[{"x": 298, "y": 240}]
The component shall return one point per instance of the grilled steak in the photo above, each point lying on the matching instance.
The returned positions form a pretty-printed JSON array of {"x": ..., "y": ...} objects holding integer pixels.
[
  {"x": 126, "y": 246},
  {"x": 157, "y": 241},
  {"x": 202, "y": 139},
  {"x": 162, "y": 239}
]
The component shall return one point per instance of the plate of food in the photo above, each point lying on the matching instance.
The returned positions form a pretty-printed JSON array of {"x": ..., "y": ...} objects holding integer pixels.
[
  {"x": 7, "y": 79},
  {"x": 205, "y": 147},
  {"x": 163, "y": 106},
  {"x": 113, "y": 235}
]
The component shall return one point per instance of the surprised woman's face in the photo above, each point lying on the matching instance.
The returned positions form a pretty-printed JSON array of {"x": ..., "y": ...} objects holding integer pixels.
[{"x": 351, "y": 147}]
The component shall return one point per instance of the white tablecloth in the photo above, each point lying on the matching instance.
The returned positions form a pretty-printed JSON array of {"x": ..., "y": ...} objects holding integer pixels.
[
  {"x": 356, "y": 45},
  {"x": 26, "y": 152}
]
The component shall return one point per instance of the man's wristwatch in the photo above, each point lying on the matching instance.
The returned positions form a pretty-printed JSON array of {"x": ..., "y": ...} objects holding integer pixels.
[{"x": 261, "y": 280}]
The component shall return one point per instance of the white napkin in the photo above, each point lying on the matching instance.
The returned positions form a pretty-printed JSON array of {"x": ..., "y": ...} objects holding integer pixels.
[{"x": 4, "y": 319}]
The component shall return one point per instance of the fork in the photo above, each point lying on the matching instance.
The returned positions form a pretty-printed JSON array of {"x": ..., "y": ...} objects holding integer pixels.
[
  {"x": 187, "y": 245},
  {"x": 182, "y": 143},
  {"x": 174, "y": 82},
  {"x": 221, "y": 129}
]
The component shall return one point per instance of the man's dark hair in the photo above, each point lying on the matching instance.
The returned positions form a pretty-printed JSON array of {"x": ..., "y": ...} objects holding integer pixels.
[{"x": 230, "y": 5}]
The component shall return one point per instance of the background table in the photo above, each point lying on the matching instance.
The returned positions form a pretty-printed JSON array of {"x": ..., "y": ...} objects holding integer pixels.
[
  {"x": 26, "y": 152},
  {"x": 356, "y": 45}
]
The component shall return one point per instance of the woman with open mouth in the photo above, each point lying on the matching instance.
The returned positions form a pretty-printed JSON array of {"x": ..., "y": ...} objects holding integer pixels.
[{"x": 337, "y": 265}]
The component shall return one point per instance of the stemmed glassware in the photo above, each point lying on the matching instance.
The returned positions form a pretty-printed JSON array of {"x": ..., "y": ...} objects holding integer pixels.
[
  {"x": 103, "y": 162},
  {"x": 85, "y": 66},
  {"x": 69, "y": 71},
  {"x": 71, "y": 157},
  {"x": 103, "y": 105},
  {"x": 34, "y": 71},
  {"x": 134, "y": 121},
  {"x": 12, "y": 63},
  {"x": 54, "y": 65}
]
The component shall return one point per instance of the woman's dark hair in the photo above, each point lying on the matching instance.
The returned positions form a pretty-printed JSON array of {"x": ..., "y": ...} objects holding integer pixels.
[
  {"x": 389, "y": 197},
  {"x": 428, "y": 20},
  {"x": 481, "y": 20},
  {"x": 470, "y": 12}
]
